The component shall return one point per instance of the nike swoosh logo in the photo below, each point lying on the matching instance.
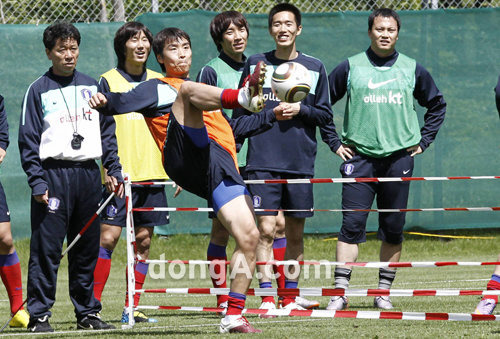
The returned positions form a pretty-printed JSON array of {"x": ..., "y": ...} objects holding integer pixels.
[
  {"x": 406, "y": 172},
  {"x": 372, "y": 85}
]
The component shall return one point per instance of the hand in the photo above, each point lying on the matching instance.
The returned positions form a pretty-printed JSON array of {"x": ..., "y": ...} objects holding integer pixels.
[
  {"x": 414, "y": 150},
  {"x": 42, "y": 198},
  {"x": 178, "y": 190},
  {"x": 286, "y": 111},
  {"x": 345, "y": 152},
  {"x": 2, "y": 154},
  {"x": 98, "y": 100},
  {"x": 112, "y": 185}
]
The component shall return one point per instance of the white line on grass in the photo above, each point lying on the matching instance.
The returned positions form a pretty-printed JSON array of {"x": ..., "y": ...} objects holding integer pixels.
[{"x": 57, "y": 333}]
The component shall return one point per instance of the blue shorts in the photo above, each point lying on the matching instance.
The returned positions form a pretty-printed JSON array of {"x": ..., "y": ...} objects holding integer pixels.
[
  {"x": 142, "y": 196},
  {"x": 285, "y": 196},
  {"x": 362, "y": 195},
  {"x": 197, "y": 170},
  {"x": 4, "y": 209}
]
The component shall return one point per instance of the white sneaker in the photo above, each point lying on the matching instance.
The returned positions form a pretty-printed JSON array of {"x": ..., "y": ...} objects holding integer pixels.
[
  {"x": 267, "y": 306},
  {"x": 307, "y": 304},
  {"x": 293, "y": 306},
  {"x": 223, "y": 308},
  {"x": 250, "y": 95},
  {"x": 338, "y": 303},
  {"x": 237, "y": 325},
  {"x": 383, "y": 302}
]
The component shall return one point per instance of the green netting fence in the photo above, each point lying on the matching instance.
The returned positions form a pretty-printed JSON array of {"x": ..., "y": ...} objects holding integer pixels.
[{"x": 460, "y": 48}]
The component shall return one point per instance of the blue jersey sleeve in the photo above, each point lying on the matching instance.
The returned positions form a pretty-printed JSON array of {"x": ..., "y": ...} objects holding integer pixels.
[
  {"x": 428, "y": 95},
  {"x": 30, "y": 131},
  {"x": 207, "y": 75},
  {"x": 143, "y": 99},
  {"x": 4, "y": 126}
]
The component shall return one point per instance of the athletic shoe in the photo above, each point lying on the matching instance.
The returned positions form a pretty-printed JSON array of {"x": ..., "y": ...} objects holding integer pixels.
[
  {"x": 250, "y": 95},
  {"x": 223, "y": 308},
  {"x": 486, "y": 306},
  {"x": 267, "y": 306},
  {"x": 383, "y": 302},
  {"x": 307, "y": 304},
  {"x": 40, "y": 325},
  {"x": 139, "y": 317},
  {"x": 93, "y": 322},
  {"x": 293, "y": 306},
  {"x": 238, "y": 325},
  {"x": 21, "y": 319},
  {"x": 338, "y": 303}
]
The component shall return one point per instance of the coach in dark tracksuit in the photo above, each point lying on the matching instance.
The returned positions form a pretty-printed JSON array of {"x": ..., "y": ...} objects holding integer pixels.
[{"x": 59, "y": 140}]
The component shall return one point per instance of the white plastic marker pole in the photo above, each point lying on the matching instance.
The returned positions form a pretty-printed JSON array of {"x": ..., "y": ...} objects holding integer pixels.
[
  {"x": 72, "y": 243},
  {"x": 87, "y": 225}
]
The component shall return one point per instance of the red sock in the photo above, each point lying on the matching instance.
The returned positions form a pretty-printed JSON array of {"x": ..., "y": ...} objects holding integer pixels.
[
  {"x": 235, "y": 303},
  {"x": 219, "y": 277},
  {"x": 229, "y": 98},
  {"x": 101, "y": 271},
  {"x": 279, "y": 248},
  {"x": 268, "y": 298},
  {"x": 10, "y": 271},
  {"x": 218, "y": 271},
  {"x": 140, "y": 272},
  {"x": 493, "y": 284}
]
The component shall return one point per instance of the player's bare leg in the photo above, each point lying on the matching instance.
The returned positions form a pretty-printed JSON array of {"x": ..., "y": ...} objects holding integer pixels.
[
  {"x": 345, "y": 252},
  {"x": 238, "y": 218}
]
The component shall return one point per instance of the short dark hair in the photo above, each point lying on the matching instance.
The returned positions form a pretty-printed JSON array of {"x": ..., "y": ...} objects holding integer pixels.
[
  {"x": 222, "y": 21},
  {"x": 383, "y": 12},
  {"x": 165, "y": 36},
  {"x": 60, "y": 30},
  {"x": 123, "y": 34},
  {"x": 284, "y": 7}
]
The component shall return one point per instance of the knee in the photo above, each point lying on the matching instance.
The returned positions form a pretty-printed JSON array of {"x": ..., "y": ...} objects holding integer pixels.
[
  {"x": 267, "y": 231},
  {"x": 6, "y": 243},
  {"x": 248, "y": 242},
  {"x": 185, "y": 89},
  {"x": 108, "y": 240}
]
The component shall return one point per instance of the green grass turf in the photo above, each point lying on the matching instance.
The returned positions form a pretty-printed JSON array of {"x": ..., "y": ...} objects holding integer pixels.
[{"x": 198, "y": 324}]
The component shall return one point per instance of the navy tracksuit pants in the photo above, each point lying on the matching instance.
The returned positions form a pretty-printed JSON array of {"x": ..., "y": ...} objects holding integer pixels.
[{"x": 74, "y": 194}]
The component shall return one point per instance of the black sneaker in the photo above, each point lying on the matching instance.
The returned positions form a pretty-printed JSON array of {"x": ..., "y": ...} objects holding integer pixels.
[
  {"x": 93, "y": 322},
  {"x": 40, "y": 324}
]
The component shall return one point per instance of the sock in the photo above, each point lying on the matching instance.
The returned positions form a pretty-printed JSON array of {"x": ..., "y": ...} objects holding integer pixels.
[
  {"x": 10, "y": 271},
  {"x": 385, "y": 278},
  {"x": 279, "y": 248},
  {"x": 289, "y": 299},
  {"x": 342, "y": 277},
  {"x": 101, "y": 271},
  {"x": 140, "y": 272},
  {"x": 217, "y": 252},
  {"x": 235, "y": 303},
  {"x": 268, "y": 298},
  {"x": 229, "y": 98},
  {"x": 493, "y": 284}
]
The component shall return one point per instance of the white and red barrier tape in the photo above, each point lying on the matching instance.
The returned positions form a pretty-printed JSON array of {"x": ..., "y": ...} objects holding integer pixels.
[
  {"x": 332, "y": 263},
  {"x": 380, "y": 210},
  {"x": 324, "y": 292},
  {"x": 341, "y": 180},
  {"x": 342, "y": 314}
]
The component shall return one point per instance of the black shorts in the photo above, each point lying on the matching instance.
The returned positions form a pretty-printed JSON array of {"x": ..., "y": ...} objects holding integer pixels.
[
  {"x": 286, "y": 196},
  {"x": 142, "y": 196},
  {"x": 4, "y": 209},
  {"x": 388, "y": 194},
  {"x": 197, "y": 170}
]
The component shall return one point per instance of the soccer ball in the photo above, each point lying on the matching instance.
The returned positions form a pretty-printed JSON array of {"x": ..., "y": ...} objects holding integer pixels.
[{"x": 291, "y": 82}]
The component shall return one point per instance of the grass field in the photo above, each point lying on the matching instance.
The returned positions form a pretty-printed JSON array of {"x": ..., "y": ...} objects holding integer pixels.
[{"x": 203, "y": 325}]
